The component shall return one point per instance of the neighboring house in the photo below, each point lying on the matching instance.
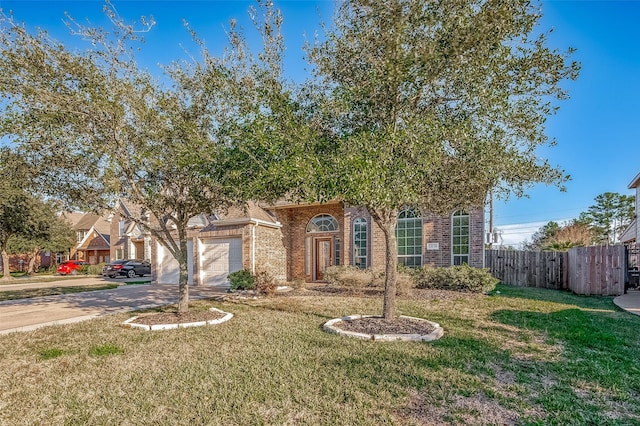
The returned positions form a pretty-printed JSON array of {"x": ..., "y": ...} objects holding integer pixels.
[
  {"x": 20, "y": 262},
  {"x": 93, "y": 237},
  {"x": 128, "y": 239},
  {"x": 632, "y": 233},
  {"x": 299, "y": 241}
]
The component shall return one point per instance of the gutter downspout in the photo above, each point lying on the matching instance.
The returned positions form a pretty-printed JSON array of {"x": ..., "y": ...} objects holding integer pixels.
[{"x": 253, "y": 249}]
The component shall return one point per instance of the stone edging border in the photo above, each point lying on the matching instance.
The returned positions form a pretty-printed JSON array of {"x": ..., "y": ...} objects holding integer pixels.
[
  {"x": 434, "y": 335},
  {"x": 131, "y": 324}
]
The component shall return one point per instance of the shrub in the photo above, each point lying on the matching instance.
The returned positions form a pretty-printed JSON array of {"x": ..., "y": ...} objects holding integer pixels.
[
  {"x": 93, "y": 269},
  {"x": 298, "y": 283},
  {"x": 358, "y": 279},
  {"x": 457, "y": 278},
  {"x": 241, "y": 280},
  {"x": 349, "y": 276},
  {"x": 404, "y": 281},
  {"x": 265, "y": 283}
]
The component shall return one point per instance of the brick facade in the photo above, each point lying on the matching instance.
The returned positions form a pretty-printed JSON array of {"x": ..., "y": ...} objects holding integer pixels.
[
  {"x": 284, "y": 248},
  {"x": 294, "y": 220},
  {"x": 435, "y": 230}
]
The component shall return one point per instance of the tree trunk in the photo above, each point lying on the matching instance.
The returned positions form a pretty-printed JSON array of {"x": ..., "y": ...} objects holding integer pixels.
[
  {"x": 5, "y": 266},
  {"x": 387, "y": 219},
  {"x": 32, "y": 261},
  {"x": 183, "y": 287}
]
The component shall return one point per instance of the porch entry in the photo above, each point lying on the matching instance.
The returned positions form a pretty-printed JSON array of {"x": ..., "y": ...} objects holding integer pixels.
[
  {"x": 321, "y": 246},
  {"x": 323, "y": 257}
]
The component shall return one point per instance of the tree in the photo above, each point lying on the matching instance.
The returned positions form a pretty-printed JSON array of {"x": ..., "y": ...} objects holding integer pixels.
[
  {"x": 561, "y": 237},
  {"x": 44, "y": 230},
  {"x": 432, "y": 104},
  {"x": 610, "y": 216},
  {"x": 97, "y": 127},
  {"x": 543, "y": 235},
  {"x": 14, "y": 203}
]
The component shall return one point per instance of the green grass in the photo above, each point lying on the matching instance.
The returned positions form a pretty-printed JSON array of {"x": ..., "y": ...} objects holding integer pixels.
[
  {"x": 105, "y": 350},
  {"x": 50, "y": 353},
  {"x": 50, "y": 291},
  {"x": 523, "y": 356}
]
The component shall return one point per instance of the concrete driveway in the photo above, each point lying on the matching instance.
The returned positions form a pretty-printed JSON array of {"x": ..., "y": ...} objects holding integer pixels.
[{"x": 29, "y": 314}]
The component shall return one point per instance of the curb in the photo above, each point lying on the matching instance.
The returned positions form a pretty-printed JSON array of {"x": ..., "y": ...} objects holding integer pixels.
[
  {"x": 132, "y": 325},
  {"x": 437, "y": 333}
]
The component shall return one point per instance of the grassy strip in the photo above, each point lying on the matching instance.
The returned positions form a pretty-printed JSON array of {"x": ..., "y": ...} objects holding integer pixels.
[
  {"x": 42, "y": 279},
  {"x": 520, "y": 356},
  {"x": 50, "y": 291}
]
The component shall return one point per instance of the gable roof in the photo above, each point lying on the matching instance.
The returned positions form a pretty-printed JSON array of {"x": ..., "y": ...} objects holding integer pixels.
[
  {"x": 635, "y": 183},
  {"x": 73, "y": 217},
  {"x": 90, "y": 237},
  {"x": 630, "y": 233},
  {"x": 90, "y": 220},
  {"x": 250, "y": 211}
]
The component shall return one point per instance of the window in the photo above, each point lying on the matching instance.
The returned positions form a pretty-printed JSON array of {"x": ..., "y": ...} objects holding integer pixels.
[
  {"x": 119, "y": 254},
  {"x": 322, "y": 223},
  {"x": 360, "y": 243},
  {"x": 460, "y": 232},
  {"x": 409, "y": 236},
  {"x": 80, "y": 235},
  {"x": 121, "y": 228}
]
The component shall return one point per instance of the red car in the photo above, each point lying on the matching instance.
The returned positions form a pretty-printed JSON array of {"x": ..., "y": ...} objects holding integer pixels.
[{"x": 71, "y": 267}]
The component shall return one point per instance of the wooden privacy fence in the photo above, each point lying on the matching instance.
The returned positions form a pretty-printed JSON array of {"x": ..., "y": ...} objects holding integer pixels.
[
  {"x": 542, "y": 269},
  {"x": 598, "y": 270}
]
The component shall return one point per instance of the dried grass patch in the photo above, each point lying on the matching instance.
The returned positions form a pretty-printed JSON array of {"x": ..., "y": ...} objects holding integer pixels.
[{"x": 273, "y": 364}]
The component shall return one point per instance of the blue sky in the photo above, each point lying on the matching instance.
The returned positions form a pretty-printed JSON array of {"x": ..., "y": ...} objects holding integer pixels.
[{"x": 597, "y": 129}]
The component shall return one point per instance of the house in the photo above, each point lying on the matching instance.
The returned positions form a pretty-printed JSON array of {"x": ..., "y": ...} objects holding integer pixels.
[
  {"x": 128, "y": 239},
  {"x": 632, "y": 233},
  {"x": 299, "y": 241},
  {"x": 93, "y": 237}
]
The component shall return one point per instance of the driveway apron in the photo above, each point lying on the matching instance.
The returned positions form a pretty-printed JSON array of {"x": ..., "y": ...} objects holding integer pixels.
[{"x": 29, "y": 314}]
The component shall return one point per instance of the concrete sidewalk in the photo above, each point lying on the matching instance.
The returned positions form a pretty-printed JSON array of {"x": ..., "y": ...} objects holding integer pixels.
[
  {"x": 29, "y": 314},
  {"x": 630, "y": 302}
]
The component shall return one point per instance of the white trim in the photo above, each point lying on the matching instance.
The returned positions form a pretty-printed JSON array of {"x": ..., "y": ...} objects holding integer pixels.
[
  {"x": 253, "y": 249},
  {"x": 630, "y": 233},
  {"x": 93, "y": 228},
  {"x": 247, "y": 221},
  {"x": 635, "y": 182}
]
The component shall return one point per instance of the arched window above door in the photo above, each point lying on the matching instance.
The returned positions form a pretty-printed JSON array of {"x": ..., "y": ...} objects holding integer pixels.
[{"x": 322, "y": 223}]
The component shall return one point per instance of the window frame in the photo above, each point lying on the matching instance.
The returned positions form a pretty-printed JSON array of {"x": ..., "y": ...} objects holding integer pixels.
[
  {"x": 460, "y": 238},
  {"x": 360, "y": 236},
  {"x": 411, "y": 244},
  {"x": 313, "y": 227}
]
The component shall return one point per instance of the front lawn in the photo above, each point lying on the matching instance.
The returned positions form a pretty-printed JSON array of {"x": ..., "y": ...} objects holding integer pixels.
[
  {"x": 523, "y": 356},
  {"x": 50, "y": 291}
]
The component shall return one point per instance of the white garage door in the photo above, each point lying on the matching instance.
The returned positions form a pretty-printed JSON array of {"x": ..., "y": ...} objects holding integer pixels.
[
  {"x": 218, "y": 258},
  {"x": 168, "y": 268}
]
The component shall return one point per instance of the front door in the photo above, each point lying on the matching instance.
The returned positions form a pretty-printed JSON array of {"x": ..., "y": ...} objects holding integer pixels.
[{"x": 323, "y": 256}]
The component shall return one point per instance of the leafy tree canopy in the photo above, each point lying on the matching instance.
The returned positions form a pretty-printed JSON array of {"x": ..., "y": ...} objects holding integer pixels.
[
  {"x": 433, "y": 104},
  {"x": 608, "y": 218},
  {"x": 97, "y": 127}
]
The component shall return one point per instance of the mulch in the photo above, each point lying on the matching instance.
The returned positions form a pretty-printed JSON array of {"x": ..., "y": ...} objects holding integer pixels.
[
  {"x": 376, "y": 325},
  {"x": 368, "y": 325}
]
